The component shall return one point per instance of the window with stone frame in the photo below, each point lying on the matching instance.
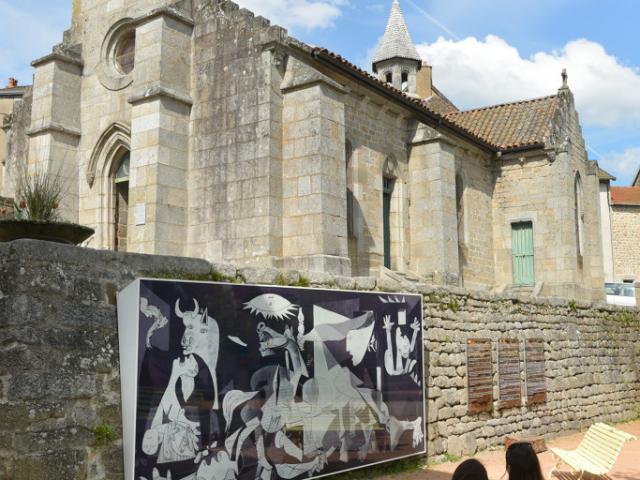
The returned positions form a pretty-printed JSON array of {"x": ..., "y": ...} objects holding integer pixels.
[
  {"x": 121, "y": 190},
  {"x": 350, "y": 199},
  {"x": 124, "y": 54},
  {"x": 579, "y": 217},
  {"x": 461, "y": 233}
]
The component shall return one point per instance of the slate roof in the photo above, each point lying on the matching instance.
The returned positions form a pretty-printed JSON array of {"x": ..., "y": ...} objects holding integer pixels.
[
  {"x": 625, "y": 196},
  {"x": 636, "y": 180},
  {"x": 396, "y": 42},
  {"x": 605, "y": 176},
  {"x": 14, "y": 91},
  {"x": 510, "y": 125}
]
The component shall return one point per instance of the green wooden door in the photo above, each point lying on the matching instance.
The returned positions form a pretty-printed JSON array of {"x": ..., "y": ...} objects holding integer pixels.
[
  {"x": 522, "y": 251},
  {"x": 387, "y": 191}
]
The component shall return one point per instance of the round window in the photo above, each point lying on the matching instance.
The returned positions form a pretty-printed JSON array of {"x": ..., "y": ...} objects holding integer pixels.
[{"x": 124, "y": 54}]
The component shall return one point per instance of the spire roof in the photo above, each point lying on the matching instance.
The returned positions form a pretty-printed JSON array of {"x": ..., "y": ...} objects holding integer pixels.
[{"x": 396, "y": 42}]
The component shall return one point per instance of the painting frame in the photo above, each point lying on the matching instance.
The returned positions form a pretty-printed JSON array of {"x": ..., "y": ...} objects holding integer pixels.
[{"x": 131, "y": 342}]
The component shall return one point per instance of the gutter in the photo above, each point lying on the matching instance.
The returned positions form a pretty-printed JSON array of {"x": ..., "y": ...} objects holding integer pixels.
[
  {"x": 535, "y": 146},
  {"x": 435, "y": 120}
]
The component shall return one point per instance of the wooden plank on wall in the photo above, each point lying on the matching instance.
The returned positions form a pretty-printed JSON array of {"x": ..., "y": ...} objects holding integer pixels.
[
  {"x": 509, "y": 382},
  {"x": 534, "y": 361},
  {"x": 480, "y": 375}
]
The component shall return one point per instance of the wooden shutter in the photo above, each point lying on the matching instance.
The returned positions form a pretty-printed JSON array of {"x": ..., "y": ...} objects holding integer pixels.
[
  {"x": 479, "y": 375},
  {"x": 536, "y": 380},
  {"x": 510, "y": 385},
  {"x": 522, "y": 251}
]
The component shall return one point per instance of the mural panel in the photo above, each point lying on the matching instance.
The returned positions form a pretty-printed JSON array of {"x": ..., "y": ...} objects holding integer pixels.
[{"x": 227, "y": 382}]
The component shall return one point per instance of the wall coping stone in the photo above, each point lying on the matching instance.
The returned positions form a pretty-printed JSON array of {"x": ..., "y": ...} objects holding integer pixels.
[
  {"x": 185, "y": 267},
  {"x": 53, "y": 127},
  {"x": 167, "y": 11},
  {"x": 57, "y": 57},
  {"x": 156, "y": 91}
]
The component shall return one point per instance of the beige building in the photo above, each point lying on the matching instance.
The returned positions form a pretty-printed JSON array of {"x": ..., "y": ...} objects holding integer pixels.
[
  {"x": 625, "y": 227},
  {"x": 8, "y": 97},
  {"x": 195, "y": 128}
]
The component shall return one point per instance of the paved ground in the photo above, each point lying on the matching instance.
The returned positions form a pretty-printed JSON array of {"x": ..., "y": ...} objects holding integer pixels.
[{"x": 627, "y": 467}]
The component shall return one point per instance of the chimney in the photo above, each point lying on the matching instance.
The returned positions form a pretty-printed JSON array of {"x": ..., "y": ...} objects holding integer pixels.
[
  {"x": 424, "y": 81},
  {"x": 13, "y": 83}
]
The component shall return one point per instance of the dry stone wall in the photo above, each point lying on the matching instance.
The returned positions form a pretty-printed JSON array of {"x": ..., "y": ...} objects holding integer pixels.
[{"x": 59, "y": 371}]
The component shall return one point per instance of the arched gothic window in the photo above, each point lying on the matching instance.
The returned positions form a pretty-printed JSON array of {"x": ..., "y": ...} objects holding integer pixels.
[
  {"x": 461, "y": 226},
  {"x": 579, "y": 216},
  {"x": 348, "y": 153}
]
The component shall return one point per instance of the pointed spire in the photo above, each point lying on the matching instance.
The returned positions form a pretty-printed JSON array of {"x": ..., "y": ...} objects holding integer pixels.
[{"x": 396, "y": 42}]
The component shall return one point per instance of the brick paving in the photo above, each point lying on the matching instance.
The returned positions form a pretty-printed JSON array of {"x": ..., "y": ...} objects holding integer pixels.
[{"x": 626, "y": 468}]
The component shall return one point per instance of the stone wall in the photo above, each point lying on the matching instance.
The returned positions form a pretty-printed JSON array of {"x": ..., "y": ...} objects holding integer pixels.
[
  {"x": 17, "y": 146},
  {"x": 592, "y": 367},
  {"x": 474, "y": 239},
  {"x": 625, "y": 227},
  {"x": 378, "y": 139},
  {"x": 59, "y": 380}
]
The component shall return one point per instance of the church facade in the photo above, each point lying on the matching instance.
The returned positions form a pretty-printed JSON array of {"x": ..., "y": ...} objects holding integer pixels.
[{"x": 198, "y": 129}]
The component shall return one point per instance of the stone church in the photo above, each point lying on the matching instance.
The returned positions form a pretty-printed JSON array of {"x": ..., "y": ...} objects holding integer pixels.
[{"x": 195, "y": 128}]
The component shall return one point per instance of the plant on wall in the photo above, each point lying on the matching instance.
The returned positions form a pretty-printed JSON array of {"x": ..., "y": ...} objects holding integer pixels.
[
  {"x": 38, "y": 197},
  {"x": 36, "y": 210}
]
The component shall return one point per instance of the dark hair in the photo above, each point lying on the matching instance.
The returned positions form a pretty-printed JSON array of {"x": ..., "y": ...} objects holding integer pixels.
[
  {"x": 470, "y": 469},
  {"x": 522, "y": 462}
]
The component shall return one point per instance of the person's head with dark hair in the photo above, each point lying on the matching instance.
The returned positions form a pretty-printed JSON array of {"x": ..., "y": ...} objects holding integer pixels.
[
  {"x": 470, "y": 469},
  {"x": 522, "y": 462}
]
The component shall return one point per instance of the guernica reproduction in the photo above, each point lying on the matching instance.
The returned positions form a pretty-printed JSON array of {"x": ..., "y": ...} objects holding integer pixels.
[{"x": 226, "y": 381}]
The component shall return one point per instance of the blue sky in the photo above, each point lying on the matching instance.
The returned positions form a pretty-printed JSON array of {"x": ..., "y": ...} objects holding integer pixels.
[{"x": 482, "y": 52}]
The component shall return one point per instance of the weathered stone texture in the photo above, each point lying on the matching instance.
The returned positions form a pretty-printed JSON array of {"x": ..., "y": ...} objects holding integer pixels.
[
  {"x": 59, "y": 362},
  {"x": 238, "y": 138},
  {"x": 474, "y": 239},
  {"x": 378, "y": 139},
  {"x": 625, "y": 226},
  {"x": 235, "y": 193},
  {"x": 6, "y": 208},
  {"x": 14, "y": 154}
]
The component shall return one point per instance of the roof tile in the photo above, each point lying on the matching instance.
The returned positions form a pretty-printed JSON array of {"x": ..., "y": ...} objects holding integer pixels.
[
  {"x": 510, "y": 125},
  {"x": 625, "y": 196}
]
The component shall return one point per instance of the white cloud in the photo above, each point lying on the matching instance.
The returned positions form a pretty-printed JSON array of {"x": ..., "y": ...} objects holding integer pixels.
[
  {"x": 307, "y": 14},
  {"x": 625, "y": 164},
  {"x": 476, "y": 73}
]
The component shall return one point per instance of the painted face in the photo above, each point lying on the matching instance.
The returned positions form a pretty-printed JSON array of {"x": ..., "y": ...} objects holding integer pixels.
[
  {"x": 150, "y": 442},
  {"x": 404, "y": 346}
]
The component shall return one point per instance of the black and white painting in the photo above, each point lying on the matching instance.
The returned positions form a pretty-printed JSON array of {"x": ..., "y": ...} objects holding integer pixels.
[{"x": 241, "y": 382}]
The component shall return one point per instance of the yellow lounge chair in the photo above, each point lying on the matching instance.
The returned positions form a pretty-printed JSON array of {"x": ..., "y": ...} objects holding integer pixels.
[{"x": 597, "y": 453}]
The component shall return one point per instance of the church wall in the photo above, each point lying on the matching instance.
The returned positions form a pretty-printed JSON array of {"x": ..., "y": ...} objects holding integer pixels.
[
  {"x": 476, "y": 244},
  {"x": 235, "y": 180},
  {"x": 590, "y": 271},
  {"x": 376, "y": 134},
  {"x": 542, "y": 191},
  {"x": 530, "y": 190}
]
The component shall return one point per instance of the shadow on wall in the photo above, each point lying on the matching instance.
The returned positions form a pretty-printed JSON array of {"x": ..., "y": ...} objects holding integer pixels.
[{"x": 361, "y": 241}]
